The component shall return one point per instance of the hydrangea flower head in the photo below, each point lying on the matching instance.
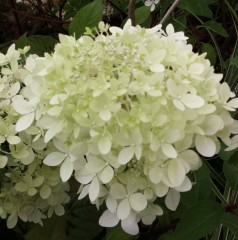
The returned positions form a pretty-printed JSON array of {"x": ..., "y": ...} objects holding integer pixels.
[{"x": 127, "y": 112}]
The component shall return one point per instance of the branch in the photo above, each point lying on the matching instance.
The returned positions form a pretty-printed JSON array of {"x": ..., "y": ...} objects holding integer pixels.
[
  {"x": 169, "y": 11},
  {"x": 131, "y": 12}
]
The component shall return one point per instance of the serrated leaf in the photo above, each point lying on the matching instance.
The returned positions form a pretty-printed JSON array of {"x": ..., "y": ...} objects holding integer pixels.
[
  {"x": 83, "y": 221},
  {"x": 88, "y": 16},
  {"x": 205, "y": 217},
  {"x": 216, "y": 27}
]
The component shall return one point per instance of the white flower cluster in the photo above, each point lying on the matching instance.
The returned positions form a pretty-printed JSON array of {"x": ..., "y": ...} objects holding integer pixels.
[
  {"x": 29, "y": 190},
  {"x": 126, "y": 111}
]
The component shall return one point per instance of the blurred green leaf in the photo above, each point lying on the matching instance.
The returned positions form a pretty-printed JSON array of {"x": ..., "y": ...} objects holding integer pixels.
[
  {"x": 201, "y": 190},
  {"x": 167, "y": 236},
  {"x": 199, "y": 220},
  {"x": 88, "y": 16},
  {"x": 230, "y": 221},
  {"x": 82, "y": 221},
  {"x": 39, "y": 44},
  {"x": 197, "y": 7},
  {"x": 116, "y": 233},
  {"x": 231, "y": 174},
  {"x": 142, "y": 14},
  {"x": 234, "y": 61},
  {"x": 211, "y": 53},
  {"x": 179, "y": 23},
  {"x": 216, "y": 27},
  {"x": 53, "y": 229}
]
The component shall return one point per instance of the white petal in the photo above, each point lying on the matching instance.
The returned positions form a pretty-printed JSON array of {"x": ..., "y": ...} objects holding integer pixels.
[
  {"x": 224, "y": 92},
  {"x": 13, "y": 139},
  {"x": 3, "y": 161},
  {"x": 94, "y": 189},
  {"x": 157, "y": 68},
  {"x": 104, "y": 145},
  {"x": 192, "y": 101},
  {"x": 155, "y": 175},
  {"x": 45, "y": 191},
  {"x": 95, "y": 164},
  {"x": 185, "y": 186},
  {"x": 161, "y": 189},
  {"x": 22, "y": 106},
  {"x": 25, "y": 121},
  {"x": 53, "y": 131},
  {"x": 123, "y": 209},
  {"x": 178, "y": 104},
  {"x": 107, "y": 174},
  {"x": 125, "y": 155},
  {"x": 172, "y": 199},
  {"x": 108, "y": 219},
  {"x": 84, "y": 192},
  {"x": 130, "y": 227},
  {"x": 176, "y": 172},
  {"x": 111, "y": 204},
  {"x": 191, "y": 158},
  {"x": 138, "y": 201},
  {"x": 205, "y": 146},
  {"x": 12, "y": 220},
  {"x": 233, "y": 103},
  {"x": 118, "y": 191},
  {"x": 105, "y": 115},
  {"x": 54, "y": 159},
  {"x": 169, "y": 150},
  {"x": 196, "y": 68},
  {"x": 66, "y": 170}
]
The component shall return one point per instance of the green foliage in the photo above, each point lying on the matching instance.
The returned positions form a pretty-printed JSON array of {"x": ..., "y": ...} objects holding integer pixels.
[
  {"x": 215, "y": 27},
  {"x": 39, "y": 44},
  {"x": 230, "y": 221},
  {"x": 199, "y": 220},
  {"x": 53, "y": 229},
  {"x": 117, "y": 233},
  {"x": 231, "y": 173},
  {"x": 88, "y": 16},
  {"x": 197, "y": 7},
  {"x": 82, "y": 221}
]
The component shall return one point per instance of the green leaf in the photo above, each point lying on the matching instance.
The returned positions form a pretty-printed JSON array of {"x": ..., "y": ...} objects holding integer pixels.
[
  {"x": 53, "y": 229},
  {"x": 234, "y": 61},
  {"x": 39, "y": 44},
  {"x": 230, "y": 221},
  {"x": 197, "y": 7},
  {"x": 167, "y": 236},
  {"x": 82, "y": 221},
  {"x": 201, "y": 190},
  {"x": 231, "y": 173},
  {"x": 211, "y": 53},
  {"x": 216, "y": 27},
  {"x": 88, "y": 16},
  {"x": 179, "y": 23},
  {"x": 116, "y": 233},
  {"x": 142, "y": 14},
  {"x": 199, "y": 220}
]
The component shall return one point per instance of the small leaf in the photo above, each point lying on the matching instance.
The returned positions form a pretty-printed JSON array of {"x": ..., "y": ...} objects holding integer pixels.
[
  {"x": 142, "y": 14},
  {"x": 216, "y": 27},
  {"x": 211, "y": 52},
  {"x": 88, "y": 16}
]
